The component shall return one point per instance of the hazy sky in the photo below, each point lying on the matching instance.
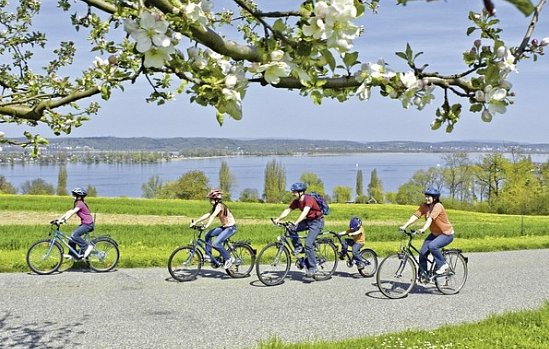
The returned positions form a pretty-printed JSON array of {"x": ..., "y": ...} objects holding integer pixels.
[{"x": 436, "y": 28}]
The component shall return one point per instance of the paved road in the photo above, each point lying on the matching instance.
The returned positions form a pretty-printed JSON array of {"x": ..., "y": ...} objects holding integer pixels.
[{"x": 144, "y": 308}]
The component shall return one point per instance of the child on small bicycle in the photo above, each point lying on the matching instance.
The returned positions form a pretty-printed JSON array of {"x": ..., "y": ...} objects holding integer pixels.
[
  {"x": 223, "y": 232},
  {"x": 82, "y": 210},
  {"x": 356, "y": 232}
]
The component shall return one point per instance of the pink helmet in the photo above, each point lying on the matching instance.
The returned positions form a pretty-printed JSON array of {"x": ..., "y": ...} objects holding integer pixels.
[{"x": 215, "y": 194}]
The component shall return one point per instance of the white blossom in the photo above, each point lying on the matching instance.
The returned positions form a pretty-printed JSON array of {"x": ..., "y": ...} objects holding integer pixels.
[
  {"x": 363, "y": 92},
  {"x": 100, "y": 62},
  {"x": 274, "y": 71},
  {"x": 157, "y": 56}
]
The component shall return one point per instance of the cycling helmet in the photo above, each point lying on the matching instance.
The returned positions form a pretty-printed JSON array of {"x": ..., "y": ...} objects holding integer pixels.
[
  {"x": 355, "y": 224},
  {"x": 215, "y": 194},
  {"x": 297, "y": 187},
  {"x": 431, "y": 191},
  {"x": 79, "y": 192}
]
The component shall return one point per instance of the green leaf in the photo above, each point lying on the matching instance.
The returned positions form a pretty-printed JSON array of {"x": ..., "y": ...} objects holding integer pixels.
[
  {"x": 350, "y": 59},
  {"x": 220, "y": 118},
  {"x": 329, "y": 59},
  {"x": 524, "y": 6},
  {"x": 475, "y": 108},
  {"x": 279, "y": 25},
  {"x": 401, "y": 55},
  {"x": 470, "y": 30}
]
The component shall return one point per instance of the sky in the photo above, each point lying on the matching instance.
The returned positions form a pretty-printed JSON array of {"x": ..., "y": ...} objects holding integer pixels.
[{"x": 435, "y": 28}]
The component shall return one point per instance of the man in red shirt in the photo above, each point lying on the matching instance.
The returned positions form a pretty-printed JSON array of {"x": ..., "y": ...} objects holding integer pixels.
[{"x": 311, "y": 219}]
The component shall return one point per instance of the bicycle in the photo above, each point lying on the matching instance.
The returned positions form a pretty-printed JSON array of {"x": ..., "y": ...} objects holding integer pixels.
[
  {"x": 397, "y": 274},
  {"x": 369, "y": 258},
  {"x": 185, "y": 262},
  {"x": 46, "y": 256},
  {"x": 274, "y": 260}
]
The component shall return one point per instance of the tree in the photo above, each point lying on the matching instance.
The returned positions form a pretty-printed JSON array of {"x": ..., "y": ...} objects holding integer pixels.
[
  {"x": 342, "y": 193},
  {"x": 92, "y": 190},
  {"x": 375, "y": 188},
  {"x": 226, "y": 180},
  {"x": 359, "y": 183},
  {"x": 249, "y": 195},
  {"x": 62, "y": 181},
  {"x": 215, "y": 52},
  {"x": 313, "y": 182},
  {"x": 193, "y": 185},
  {"x": 152, "y": 188},
  {"x": 491, "y": 174},
  {"x": 275, "y": 182},
  {"x": 6, "y": 187},
  {"x": 37, "y": 187},
  {"x": 457, "y": 174}
]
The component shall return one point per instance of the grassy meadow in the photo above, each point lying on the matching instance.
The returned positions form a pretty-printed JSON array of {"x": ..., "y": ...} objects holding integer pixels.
[{"x": 149, "y": 230}]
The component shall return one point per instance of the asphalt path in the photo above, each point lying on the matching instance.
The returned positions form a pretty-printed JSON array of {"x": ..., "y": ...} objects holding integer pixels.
[{"x": 144, "y": 308}]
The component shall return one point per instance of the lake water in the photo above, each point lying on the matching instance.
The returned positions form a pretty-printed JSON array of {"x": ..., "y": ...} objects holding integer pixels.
[{"x": 111, "y": 180}]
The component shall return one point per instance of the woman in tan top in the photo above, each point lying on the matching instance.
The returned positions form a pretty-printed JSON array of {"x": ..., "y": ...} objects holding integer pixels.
[
  {"x": 223, "y": 232},
  {"x": 442, "y": 232}
]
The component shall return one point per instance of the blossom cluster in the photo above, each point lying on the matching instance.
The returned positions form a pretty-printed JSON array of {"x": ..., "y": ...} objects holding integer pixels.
[{"x": 332, "y": 21}]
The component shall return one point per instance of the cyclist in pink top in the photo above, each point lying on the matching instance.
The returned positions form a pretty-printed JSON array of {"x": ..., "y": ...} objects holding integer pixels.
[
  {"x": 442, "y": 232},
  {"x": 82, "y": 210}
]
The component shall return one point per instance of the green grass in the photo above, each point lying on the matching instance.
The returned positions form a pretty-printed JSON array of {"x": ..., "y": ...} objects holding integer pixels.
[
  {"x": 523, "y": 329},
  {"x": 151, "y": 245}
]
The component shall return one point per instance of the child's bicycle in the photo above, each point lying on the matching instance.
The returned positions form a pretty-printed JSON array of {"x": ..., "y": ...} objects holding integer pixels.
[
  {"x": 274, "y": 260},
  {"x": 186, "y": 261},
  {"x": 397, "y": 274},
  {"x": 46, "y": 256},
  {"x": 367, "y": 267}
]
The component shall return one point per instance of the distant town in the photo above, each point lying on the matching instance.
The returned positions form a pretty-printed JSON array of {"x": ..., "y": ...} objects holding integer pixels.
[{"x": 99, "y": 149}]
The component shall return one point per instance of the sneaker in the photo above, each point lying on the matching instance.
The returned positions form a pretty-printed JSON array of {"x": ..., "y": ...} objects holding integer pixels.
[
  {"x": 424, "y": 278},
  {"x": 310, "y": 273},
  {"x": 342, "y": 255},
  {"x": 299, "y": 249},
  {"x": 88, "y": 251},
  {"x": 442, "y": 269},
  {"x": 68, "y": 257},
  {"x": 228, "y": 263},
  {"x": 207, "y": 259}
]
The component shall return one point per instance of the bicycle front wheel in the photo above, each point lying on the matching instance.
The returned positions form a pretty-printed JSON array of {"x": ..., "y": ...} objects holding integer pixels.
[
  {"x": 453, "y": 280},
  {"x": 326, "y": 258},
  {"x": 396, "y": 275},
  {"x": 273, "y": 264},
  {"x": 44, "y": 257},
  {"x": 105, "y": 254},
  {"x": 369, "y": 260},
  {"x": 244, "y": 261},
  {"x": 185, "y": 263}
]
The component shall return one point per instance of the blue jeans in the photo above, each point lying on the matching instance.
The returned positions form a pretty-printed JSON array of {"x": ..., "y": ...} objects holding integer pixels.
[
  {"x": 76, "y": 236},
  {"x": 433, "y": 244},
  {"x": 314, "y": 226},
  {"x": 356, "y": 249},
  {"x": 222, "y": 233}
]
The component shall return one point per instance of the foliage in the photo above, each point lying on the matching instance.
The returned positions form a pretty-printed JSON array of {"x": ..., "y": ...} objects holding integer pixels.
[
  {"x": 275, "y": 182},
  {"x": 193, "y": 185},
  {"x": 152, "y": 188},
  {"x": 184, "y": 47},
  {"x": 226, "y": 180},
  {"x": 342, "y": 193},
  {"x": 92, "y": 190},
  {"x": 313, "y": 182},
  {"x": 62, "y": 181},
  {"x": 249, "y": 195},
  {"x": 6, "y": 187},
  {"x": 375, "y": 188},
  {"x": 37, "y": 187},
  {"x": 359, "y": 184}
]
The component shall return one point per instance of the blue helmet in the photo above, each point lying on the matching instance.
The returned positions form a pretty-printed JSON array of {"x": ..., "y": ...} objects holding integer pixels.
[
  {"x": 297, "y": 187},
  {"x": 79, "y": 192},
  {"x": 355, "y": 224},
  {"x": 432, "y": 191}
]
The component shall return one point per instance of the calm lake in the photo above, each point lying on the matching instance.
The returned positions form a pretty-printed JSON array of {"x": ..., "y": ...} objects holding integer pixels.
[{"x": 112, "y": 180}]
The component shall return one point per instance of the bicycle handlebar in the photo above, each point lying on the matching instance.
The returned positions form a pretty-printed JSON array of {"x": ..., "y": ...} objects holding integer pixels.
[
  {"x": 410, "y": 232},
  {"x": 283, "y": 224}
]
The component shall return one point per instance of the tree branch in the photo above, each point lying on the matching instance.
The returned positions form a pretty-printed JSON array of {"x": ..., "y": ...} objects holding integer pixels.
[{"x": 529, "y": 31}]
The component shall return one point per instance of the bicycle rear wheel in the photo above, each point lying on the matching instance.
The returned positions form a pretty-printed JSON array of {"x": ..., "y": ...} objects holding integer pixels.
[
  {"x": 454, "y": 279},
  {"x": 185, "y": 263},
  {"x": 105, "y": 254},
  {"x": 244, "y": 260},
  {"x": 369, "y": 258},
  {"x": 44, "y": 256},
  {"x": 326, "y": 258},
  {"x": 273, "y": 264},
  {"x": 396, "y": 275}
]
